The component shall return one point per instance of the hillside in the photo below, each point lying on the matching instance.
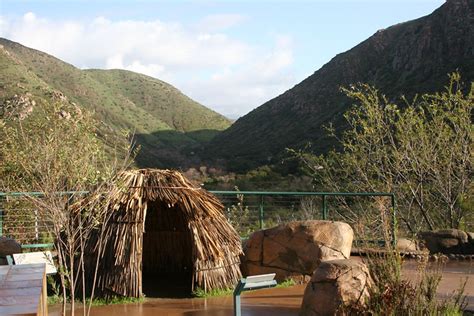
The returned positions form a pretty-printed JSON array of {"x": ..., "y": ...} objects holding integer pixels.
[
  {"x": 167, "y": 123},
  {"x": 406, "y": 58},
  {"x": 160, "y": 99}
]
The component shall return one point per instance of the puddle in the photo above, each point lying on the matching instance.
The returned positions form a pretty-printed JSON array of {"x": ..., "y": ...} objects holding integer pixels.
[
  {"x": 453, "y": 275},
  {"x": 277, "y": 301}
]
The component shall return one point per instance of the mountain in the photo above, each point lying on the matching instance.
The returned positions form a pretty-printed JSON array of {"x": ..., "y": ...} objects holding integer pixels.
[
  {"x": 168, "y": 124},
  {"x": 407, "y": 58}
]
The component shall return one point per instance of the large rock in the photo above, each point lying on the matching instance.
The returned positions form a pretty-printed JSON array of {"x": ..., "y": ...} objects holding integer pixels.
[
  {"x": 447, "y": 241},
  {"x": 294, "y": 250},
  {"x": 405, "y": 245},
  {"x": 9, "y": 246},
  {"x": 335, "y": 283},
  {"x": 470, "y": 237}
]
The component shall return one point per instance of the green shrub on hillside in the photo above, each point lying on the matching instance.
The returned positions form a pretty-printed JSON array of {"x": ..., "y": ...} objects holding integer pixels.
[{"x": 421, "y": 151}]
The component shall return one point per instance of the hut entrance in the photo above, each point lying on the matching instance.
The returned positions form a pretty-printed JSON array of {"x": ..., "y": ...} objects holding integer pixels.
[{"x": 167, "y": 252}]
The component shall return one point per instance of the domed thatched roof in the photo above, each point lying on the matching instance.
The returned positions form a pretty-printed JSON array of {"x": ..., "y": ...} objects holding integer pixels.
[{"x": 214, "y": 244}]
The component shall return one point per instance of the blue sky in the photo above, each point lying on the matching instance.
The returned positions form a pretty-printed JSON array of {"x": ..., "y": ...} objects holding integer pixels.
[{"x": 231, "y": 56}]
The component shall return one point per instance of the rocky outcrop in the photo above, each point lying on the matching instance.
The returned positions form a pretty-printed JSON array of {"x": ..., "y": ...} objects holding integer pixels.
[
  {"x": 294, "y": 250},
  {"x": 405, "y": 59},
  {"x": 335, "y": 283},
  {"x": 17, "y": 107},
  {"x": 448, "y": 241}
]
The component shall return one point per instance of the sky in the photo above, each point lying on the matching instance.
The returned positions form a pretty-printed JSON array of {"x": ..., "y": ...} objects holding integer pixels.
[{"x": 230, "y": 56}]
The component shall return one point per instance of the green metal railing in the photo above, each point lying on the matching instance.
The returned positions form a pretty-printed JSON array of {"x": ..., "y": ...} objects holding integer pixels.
[
  {"x": 20, "y": 220},
  {"x": 246, "y": 210},
  {"x": 262, "y": 201}
]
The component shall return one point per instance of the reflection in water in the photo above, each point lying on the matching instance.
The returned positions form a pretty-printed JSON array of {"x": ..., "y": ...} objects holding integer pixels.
[
  {"x": 276, "y": 301},
  {"x": 454, "y": 274}
]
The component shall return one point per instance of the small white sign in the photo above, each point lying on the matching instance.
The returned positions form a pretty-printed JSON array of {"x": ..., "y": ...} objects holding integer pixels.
[{"x": 36, "y": 257}]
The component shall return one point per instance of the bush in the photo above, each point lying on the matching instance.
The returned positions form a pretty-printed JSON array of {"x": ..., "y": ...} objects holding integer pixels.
[
  {"x": 393, "y": 295},
  {"x": 420, "y": 150}
]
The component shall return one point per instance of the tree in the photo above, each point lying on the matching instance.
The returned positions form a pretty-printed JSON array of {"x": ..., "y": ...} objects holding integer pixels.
[
  {"x": 53, "y": 147},
  {"x": 421, "y": 151}
]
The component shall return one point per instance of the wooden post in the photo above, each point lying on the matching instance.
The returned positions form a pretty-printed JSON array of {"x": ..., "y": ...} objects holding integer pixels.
[{"x": 44, "y": 293}]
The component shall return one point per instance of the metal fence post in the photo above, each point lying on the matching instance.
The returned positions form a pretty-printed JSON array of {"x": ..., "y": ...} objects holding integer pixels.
[
  {"x": 2, "y": 198},
  {"x": 36, "y": 226},
  {"x": 260, "y": 217},
  {"x": 325, "y": 208}
]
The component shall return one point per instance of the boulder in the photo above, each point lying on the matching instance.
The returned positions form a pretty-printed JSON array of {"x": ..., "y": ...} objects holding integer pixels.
[
  {"x": 447, "y": 241},
  {"x": 405, "y": 245},
  {"x": 281, "y": 274},
  {"x": 333, "y": 284},
  {"x": 470, "y": 247},
  {"x": 294, "y": 250},
  {"x": 470, "y": 237},
  {"x": 453, "y": 233},
  {"x": 9, "y": 246},
  {"x": 253, "y": 247}
]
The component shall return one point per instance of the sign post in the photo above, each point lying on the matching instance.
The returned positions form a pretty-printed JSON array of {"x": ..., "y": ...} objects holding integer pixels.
[{"x": 253, "y": 282}]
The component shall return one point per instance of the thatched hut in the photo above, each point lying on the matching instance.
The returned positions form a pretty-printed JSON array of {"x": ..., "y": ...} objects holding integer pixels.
[{"x": 163, "y": 225}]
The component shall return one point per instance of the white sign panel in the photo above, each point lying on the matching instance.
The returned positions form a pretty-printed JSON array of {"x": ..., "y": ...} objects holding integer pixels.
[{"x": 36, "y": 257}]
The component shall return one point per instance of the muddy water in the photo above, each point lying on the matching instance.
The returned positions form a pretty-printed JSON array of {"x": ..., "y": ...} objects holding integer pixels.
[
  {"x": 262, "y": 303},
  {"x": 277, "y": 301},
  {"x": 454, "y": 273}
]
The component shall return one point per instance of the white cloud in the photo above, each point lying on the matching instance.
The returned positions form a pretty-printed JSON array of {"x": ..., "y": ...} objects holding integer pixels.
[
  {"x": 219, "y": 22},
  {"x": 114, "y": 62},
  {"x": 153, "y": 70},
  {"x": 29, "y": 17},
  {"x": 204, "y": 61},
  {"x": 238, "y": 90}
]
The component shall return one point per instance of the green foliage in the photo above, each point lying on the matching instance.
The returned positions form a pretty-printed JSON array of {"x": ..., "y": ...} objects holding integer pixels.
[
  {"x": 54, "y": 296},
  {"x": 264, "y": 178},
  {"x": 56, "y": 146},
  {"x": 114, "y": 300},
  {"x": 286, "y": 283},
  {"x": 239, "y": 217},
  {"x": 213, "y": 293},
  {"x": 56, "y": 299},
  {"x": 161, "y": 100},
  {"x": 391, "y": 294},
  {"x": 226, "y": 292},
  {"x": 390, "y": 58},
  {"x": 420, "y": 151},
  {"x": 166, "y": 119},
  {"x": 52, "y": 147}
]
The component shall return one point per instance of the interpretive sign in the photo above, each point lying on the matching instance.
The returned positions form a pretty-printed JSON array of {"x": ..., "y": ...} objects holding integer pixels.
[{"x": 36, "y": 257}]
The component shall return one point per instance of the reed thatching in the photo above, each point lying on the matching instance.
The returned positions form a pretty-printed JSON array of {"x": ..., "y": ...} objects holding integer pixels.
[{"x": 179, "y": 223}]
